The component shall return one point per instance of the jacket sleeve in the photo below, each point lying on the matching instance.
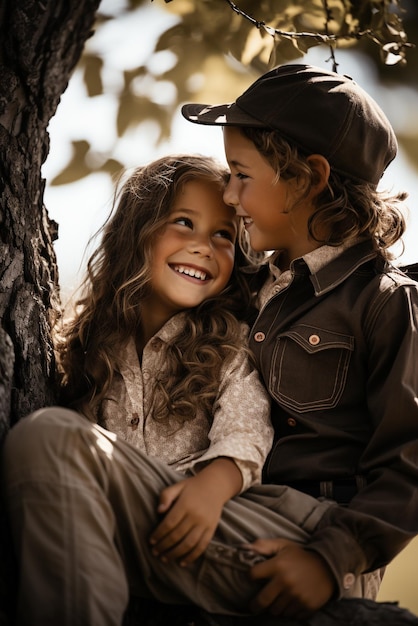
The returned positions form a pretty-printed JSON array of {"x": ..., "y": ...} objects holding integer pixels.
[
  {"x": 383, "y": 517},
  {"x": 241, "y": 427}
]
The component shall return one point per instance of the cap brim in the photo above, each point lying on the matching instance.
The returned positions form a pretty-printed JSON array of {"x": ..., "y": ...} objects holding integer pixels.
[{"x": 219, "y": 115}]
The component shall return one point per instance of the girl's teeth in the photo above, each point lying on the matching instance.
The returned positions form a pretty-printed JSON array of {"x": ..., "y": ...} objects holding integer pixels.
[{"x": 190, "y": 272}]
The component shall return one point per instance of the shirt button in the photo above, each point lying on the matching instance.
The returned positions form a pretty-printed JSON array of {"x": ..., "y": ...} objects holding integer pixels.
[
  {"x": 291, "y": 422},
  {"x": 134, "y": 421},
  {"x": 156, "y": 344},
  {"x": 259, "y": 337},
  {"x": 348, "y": 581},
  {"x": 314, "y": 340}
]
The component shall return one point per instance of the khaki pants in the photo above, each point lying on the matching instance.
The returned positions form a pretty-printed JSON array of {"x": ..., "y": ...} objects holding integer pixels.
[{"x": 82, "y": 504}]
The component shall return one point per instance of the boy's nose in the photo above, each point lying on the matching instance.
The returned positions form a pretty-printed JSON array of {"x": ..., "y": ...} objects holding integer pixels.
[{"x": 230, "y": 196}]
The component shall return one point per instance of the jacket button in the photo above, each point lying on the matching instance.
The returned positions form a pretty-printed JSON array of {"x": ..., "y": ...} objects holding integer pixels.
[
  {"x": 291, "y": 422},
  {"x": 259, "y": 337},
  {"x": 314, "y": 340}
]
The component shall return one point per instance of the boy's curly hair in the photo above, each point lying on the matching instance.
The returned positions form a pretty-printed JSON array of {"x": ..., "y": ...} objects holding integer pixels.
[
  {"x": 118, "y": 277},
  {"x": 346, "y": 209}
]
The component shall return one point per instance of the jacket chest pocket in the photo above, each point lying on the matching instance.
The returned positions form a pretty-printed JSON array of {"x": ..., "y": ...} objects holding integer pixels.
[{"x": 309, "y": 368}]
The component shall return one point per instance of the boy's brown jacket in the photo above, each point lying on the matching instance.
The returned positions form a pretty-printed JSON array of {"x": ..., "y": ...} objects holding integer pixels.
[{"x": 338, "y": 351}]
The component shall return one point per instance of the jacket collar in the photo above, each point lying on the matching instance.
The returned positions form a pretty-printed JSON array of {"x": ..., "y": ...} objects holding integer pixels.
[
  {"x": 280, "y": 313},
  {"x": 337, "y": 270}
]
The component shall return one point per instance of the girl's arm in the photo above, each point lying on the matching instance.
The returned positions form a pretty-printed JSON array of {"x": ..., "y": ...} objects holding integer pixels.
[
  {"x": 240, "y": 438},
  {"x": 241, "y": 428},
  {"x": 192, "y": 509}
]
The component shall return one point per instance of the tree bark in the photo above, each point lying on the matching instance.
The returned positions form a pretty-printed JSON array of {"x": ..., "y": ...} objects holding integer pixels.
[{"x": 40, "y": 43}]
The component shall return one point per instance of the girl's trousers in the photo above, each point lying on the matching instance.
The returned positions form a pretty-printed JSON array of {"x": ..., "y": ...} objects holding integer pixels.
[{"x": 82, "y": 504}]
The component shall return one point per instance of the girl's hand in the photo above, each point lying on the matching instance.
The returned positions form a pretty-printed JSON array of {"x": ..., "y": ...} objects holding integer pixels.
[
  {"x": 192, "y": 511},
  {"x": 299, "y": 582},
  {"x": 192, "y": 516}
]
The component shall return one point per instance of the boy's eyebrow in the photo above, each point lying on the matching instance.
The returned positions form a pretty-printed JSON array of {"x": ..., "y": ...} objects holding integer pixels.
[{"x": 236, "y": 163}]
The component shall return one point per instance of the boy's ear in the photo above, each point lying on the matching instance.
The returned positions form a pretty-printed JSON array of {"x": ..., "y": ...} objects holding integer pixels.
[{"x": 321, "y": 169}]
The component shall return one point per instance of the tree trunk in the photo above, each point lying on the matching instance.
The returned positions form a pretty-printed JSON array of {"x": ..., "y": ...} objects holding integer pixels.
[{"x": 40, "y": 43}]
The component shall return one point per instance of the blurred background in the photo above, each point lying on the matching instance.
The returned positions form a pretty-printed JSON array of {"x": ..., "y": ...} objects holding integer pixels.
[{"x": 122, "y": 109}]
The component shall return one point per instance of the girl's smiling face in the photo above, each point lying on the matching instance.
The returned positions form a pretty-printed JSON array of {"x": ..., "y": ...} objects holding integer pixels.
[
  {"x": 269, "y": 206},
  {"x": 193, "y": 256}
]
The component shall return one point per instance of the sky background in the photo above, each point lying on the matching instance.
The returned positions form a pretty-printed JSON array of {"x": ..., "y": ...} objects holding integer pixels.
[{"x": 80, "y": 208}]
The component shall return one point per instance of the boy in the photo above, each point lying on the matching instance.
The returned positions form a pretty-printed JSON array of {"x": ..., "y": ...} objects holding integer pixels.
[{"x": 336, "y": 338}]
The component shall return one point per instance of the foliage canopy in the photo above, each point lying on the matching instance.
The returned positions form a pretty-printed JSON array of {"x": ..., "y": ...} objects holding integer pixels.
[{"x": 229, "y": 44}]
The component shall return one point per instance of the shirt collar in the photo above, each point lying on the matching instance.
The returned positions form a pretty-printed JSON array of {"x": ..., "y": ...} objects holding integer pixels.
[
  {"x": 324, "y": 265},
  {"x": 315, "y": 260}
]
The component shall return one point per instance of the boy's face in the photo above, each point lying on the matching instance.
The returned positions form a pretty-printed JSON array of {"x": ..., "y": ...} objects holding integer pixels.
[{"x": 273, "y": 219}]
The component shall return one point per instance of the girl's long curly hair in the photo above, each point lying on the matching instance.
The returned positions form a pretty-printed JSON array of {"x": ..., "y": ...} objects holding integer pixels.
[
  {"x": 346, "y": 209},
  {"x": 108, "y": 313}
]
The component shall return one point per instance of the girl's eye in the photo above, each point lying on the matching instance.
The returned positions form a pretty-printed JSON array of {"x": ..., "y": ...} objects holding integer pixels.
[
  {"x": 183, "y": 221},
  {"x": 240, "y": 176},
  {"x": 225, "y": 234}
]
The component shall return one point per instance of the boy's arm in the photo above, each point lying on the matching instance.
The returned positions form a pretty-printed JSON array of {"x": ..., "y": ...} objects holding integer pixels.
[
  {"x": 296, "y": 582},
  {"x": 369, "y": 532},
  {"x": 192, "y": 509}
]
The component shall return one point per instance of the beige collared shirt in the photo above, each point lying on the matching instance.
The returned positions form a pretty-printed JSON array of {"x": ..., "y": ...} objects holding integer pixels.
[{"x": 240, "y": 428}]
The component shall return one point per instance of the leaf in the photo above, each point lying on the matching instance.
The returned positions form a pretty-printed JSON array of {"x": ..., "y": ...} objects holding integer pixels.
[
  {"x": 410, "y": 145},
  {"x": 92, "y": 74},
  {"x": 112, "y": 167},
  {"x": 77, "y": 167},
  {"x": 257, "y": 46}
]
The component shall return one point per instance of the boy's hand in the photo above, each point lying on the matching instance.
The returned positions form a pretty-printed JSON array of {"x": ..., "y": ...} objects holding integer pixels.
[
  {"x": 192, "y": 514},
  {"x": 299, "y": 581}
]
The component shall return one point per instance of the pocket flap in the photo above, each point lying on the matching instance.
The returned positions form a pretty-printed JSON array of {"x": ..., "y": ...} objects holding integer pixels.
[{"x": 313, "y": 339}]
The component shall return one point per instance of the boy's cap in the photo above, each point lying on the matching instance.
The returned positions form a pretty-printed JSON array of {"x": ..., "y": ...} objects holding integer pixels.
[{"x": 320, "y": 111}]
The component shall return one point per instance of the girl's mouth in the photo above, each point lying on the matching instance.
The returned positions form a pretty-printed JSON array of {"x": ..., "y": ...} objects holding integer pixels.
[{"x": 192, "y": 272}]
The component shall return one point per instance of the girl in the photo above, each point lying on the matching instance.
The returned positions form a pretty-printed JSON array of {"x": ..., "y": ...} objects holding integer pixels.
[
  {"x": 336, "y": 338},
  {"x": 155, "y": 353},
  {"x": 159, "y": 378}
]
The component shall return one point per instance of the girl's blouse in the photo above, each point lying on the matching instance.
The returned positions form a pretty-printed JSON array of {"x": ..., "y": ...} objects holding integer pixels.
[{"x": 239, "y": 428}]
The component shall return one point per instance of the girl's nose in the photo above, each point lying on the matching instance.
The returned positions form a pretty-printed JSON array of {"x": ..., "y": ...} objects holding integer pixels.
[{"x": 201, "y": 245}]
